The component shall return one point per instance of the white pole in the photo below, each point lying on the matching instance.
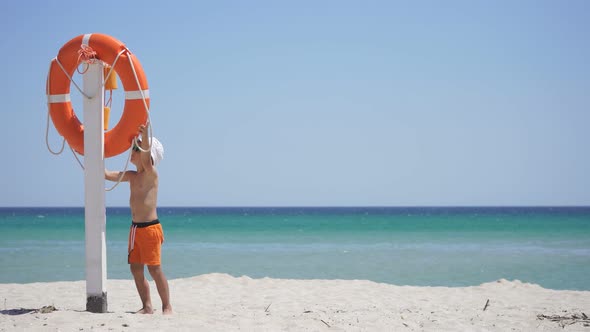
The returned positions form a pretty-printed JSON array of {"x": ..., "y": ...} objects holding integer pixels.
[{"x": 94, "y": 195}]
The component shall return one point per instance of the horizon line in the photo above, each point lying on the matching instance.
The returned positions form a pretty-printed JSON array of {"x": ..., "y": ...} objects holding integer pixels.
[{"x": 310, "y": 206}]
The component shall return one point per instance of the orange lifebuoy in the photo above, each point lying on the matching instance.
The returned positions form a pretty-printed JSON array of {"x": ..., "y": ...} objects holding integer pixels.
[{"x": 126, "y": 65}]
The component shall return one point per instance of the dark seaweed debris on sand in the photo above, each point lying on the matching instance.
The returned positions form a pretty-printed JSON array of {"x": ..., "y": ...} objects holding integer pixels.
[{"x": 21, "y": 311}]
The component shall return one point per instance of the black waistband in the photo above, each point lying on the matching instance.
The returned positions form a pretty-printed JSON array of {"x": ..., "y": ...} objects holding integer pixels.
[{"x": 145, "y": 224}]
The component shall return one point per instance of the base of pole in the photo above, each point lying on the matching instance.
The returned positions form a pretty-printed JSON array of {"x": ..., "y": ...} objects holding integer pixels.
[{"x": 97, "y": 303}]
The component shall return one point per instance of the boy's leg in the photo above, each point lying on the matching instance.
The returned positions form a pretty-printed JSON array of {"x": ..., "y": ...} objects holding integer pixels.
[
  {"x": 162, "y": 285},
  {"x": 143, "y": 288}
]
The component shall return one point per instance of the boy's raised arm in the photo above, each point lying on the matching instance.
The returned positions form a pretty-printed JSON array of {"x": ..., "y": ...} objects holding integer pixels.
[{"x": 146, "y": 157}]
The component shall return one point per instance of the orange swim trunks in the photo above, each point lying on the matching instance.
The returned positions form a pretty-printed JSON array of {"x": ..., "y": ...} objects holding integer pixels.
[{"x": 145, "y": 243}]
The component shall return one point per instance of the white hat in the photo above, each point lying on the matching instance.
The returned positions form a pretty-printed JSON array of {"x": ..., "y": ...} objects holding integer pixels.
[{"x": 157, "y": 151}]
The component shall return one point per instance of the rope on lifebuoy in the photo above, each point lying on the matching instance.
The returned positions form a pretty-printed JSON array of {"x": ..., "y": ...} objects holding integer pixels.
[
  {"x": 71, "y": 79},
  {"x": 63, "y": 142},
  {"x": 88, "y": 56},
  {"x": 122, "y": 173},
  {"x": 147, "y": 109},
  {"x": 77, "y": 159}
]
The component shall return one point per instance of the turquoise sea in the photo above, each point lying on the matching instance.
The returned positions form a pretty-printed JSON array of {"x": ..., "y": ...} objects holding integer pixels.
[{"x": 422, "y": 246}]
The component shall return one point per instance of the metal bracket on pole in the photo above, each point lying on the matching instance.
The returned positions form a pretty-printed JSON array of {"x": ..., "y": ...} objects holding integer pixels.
[{"x": 94, "y": 195}]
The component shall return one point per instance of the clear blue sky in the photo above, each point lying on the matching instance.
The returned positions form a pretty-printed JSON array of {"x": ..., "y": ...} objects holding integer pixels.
[{"x": 307, "y": 103}]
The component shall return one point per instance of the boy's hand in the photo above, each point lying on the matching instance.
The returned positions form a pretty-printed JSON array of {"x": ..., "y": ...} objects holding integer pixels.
[{"x": 143, "y": 132}]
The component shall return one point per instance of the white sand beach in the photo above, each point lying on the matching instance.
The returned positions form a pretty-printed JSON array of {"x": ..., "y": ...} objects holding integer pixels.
[{"x": 219, "y": 302}]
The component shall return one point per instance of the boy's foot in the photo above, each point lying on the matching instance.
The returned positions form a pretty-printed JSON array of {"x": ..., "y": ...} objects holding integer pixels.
[
  {"x": 145, "y": 311},
  {"x": 167, "y": 311}
]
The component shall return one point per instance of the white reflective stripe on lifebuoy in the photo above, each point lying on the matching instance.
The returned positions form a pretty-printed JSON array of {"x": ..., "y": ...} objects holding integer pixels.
[
  {"x": 86, "y": 39},
  {"x": 52, "y": 99},
  {"x": 130, "y": 95}
]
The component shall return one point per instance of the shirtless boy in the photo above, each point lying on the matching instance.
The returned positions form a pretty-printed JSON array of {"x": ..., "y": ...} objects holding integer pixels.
[{"x": 145, "y": 235}]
